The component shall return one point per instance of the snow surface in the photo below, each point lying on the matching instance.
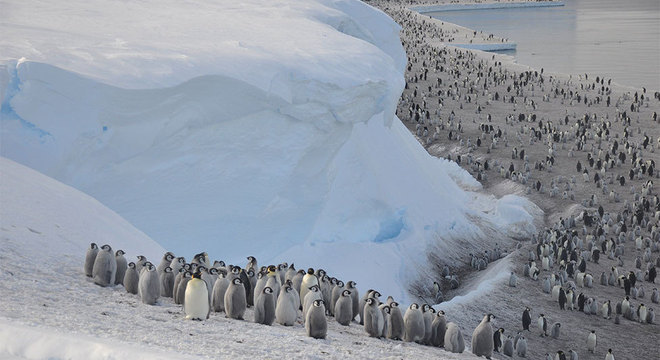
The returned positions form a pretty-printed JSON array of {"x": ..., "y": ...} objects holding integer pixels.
[
  {"x": 51, "y": 310},
  {"x": 241, "y": 128}
]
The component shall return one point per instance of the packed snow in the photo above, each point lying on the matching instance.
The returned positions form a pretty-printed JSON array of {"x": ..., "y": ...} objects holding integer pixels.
[
  {"x": 52, "y": 311},
  {"x": 248, "y": 128}
]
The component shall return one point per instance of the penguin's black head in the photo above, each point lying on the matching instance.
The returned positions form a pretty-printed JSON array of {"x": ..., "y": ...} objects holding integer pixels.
[
  {"x": 197, "y": 274},
  {"x": 106, "y": 247},
  {"x": 371, "y": 301},
  {"x": 314, "y": 288},
  {"x": 282, "y": 266},
  {"x": 250, "y": 273},
  {"x": 120, "y": 253},
  {"x": 272, "y": 268},
  {"x": 93, "y": 246},
  {"x": 250, "y": 258},
  {"x": 213, "y": 271},
  {"x": 386, "y": 309},
  {"x": 169, "y": 256},
  {"x": 351, "y": 284},
  {"x": 168, "y": 269},
  {"x": 340, "y": 283},
  {"x": 237, "y": 281},
  {"x": 346, "y": 293},
  {"x": 414, "y": 306},
  {"x": 186, "y": 266},
  {"x": 131, "y": 265},
  {"x": 310, "y": 271},
  {"x": 318, "y": 302},
  {"x": 292, "y": 267},
  {"x": 268, "y": 290}
]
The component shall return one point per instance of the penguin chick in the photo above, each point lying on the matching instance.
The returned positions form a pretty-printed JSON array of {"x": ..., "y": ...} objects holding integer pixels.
[
  {"x": 373, "y": 318},
  {"x": 344, "y": 308},
  {"x": 90, "y": 256},
  {"x": 235, "y": 300},
  {"x": 105, "y": 267},
  {"x": 149, "y": 285},
  {"x": 454, "y": 339},
  {"x": 131, "y": 279},
  {"x": 264, "y": 308},
  {"x": 482, "y": 338},
  {"x": 286, "y": 309},
  {"x": 413, "y": 322},
  {"x": 316, "y": 324}
]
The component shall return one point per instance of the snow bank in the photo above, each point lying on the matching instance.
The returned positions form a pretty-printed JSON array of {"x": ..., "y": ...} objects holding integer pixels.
[
  {"x": 43, "y": 343},
  {"x": 52, "y": 219},
  {"x": 238, "y": 128},
  {"x": 486, "y": 47}
]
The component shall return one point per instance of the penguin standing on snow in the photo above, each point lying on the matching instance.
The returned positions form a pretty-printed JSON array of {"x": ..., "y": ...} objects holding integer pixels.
[
  {"x": 526, "y": 319},
  {"x": 131, "y": 279},
  {"x": 373, "y": 318},
  {"x": 286, "y": 309},
  {"x": 218, "y": 293},
  {"x": 396, "y": 319},
  {"x": 497, "y": 339},
  {"x": 308, "y": 281},
  {"x": 235, "y": 300},
  {"x": 105, "y": 267},
  {"x": 121, "y": 267},
  {"x": 264, "y": 308},
  {"x": 355, "y": 297},
  {"x": 413, "y": 322},
  {"x": 482, "y": 338},
  {"x": 438, "y": 329},
  {"x": 149, "y": 285},
  {"x": 316, "y": 324},
  {"x": 166, "y": 282},
  {"x": 344, "y": 308},
  {"x": 454, "y": 339},
  {"x": 196, "y": 304},
  {"x": 90, "y": 256}
]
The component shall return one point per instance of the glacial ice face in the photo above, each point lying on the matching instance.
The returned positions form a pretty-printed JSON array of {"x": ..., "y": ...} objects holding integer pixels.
[{"x": 239, "y": 129}]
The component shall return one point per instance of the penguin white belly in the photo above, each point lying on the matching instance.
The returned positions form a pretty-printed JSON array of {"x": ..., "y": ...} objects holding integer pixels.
[{"x": 196, "y": 304}]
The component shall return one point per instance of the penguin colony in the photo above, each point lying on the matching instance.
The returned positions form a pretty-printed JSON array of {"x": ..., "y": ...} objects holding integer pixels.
[
  {"x": 610, "y": 161},
  {"x": 276, "y": 293},
  {"x": 501, "y": 125}
]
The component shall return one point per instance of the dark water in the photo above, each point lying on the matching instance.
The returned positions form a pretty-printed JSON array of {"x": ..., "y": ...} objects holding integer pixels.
[{"x": 618, "y": 39}]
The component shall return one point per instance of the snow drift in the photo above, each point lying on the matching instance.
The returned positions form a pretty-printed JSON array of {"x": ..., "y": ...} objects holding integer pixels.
[{"x": 240, "y": 128}]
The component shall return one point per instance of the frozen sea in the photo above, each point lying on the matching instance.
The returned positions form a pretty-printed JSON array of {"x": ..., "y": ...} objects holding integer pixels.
[{"x": 617, "y": 39}]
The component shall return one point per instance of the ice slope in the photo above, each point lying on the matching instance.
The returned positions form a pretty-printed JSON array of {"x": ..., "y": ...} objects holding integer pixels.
[
  {"x": 50, "y": 310},
  {"x": 241, "y": 128}
]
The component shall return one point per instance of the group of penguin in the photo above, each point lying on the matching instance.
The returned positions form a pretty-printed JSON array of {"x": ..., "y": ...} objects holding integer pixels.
[{"x": 278, "y": 294}]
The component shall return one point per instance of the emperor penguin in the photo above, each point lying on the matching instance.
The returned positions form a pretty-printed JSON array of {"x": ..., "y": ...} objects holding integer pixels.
[
  {"x": 262, "y": 279},
  {"x": 166, "y": 282},
  {"x": 297, "y": 281},
  {"x": 560, "y": 355},
  {"x": 252, "y": 264},
  {"x": 609, "y": 355},
  {"x": 521, "y": 349},
  {"x": 591, "y": 341},
  {"x": 308, "y": 281},
  {"x": 641, "y": 313},
  {"x": 286, "y": 309},
  {"x": 290, "y": 272},
  {"x": 482, "y": 338},
  {"x": 369, "y": 294},
  {"x": 507, "y": 348},
  {"x": 438, "y": 329},
  {"x": 90, "y": 256},
  {"x": 314, "y": 293},
  {"x": 316, "y": 324},
  {"x": 396, "y": 320},
  {"x": 140, "y": 263},
  {"x": 337, "y": 290},
  {"x": 344, "y": 308},
  {"x": 355, "y": 297},
  {"x": 121, "y": 267},
  {"x": 562, "y": 299},
  {"x": 387, "y": 319},
  {"x": 454, "y": 339},
  {"x": 180, "y": 292},
  {"x": 165, "y": 262},
  {"x": 149, "y": 286},
  {"x": 196, "y": 304},
  {"x": 543, "y": 325},
  {"x": 373, "y": 318},
  {"x": 497, "y": 339},
  {"x": 526, "y": 319},
  {"x": 413, "y": 322},
  {"x": 218, "y": 293},
  {"x": 555, "y": 330},
  {"x": 513, "y": 279},
  {"x": 105, "y": 267},
  {"x": 650, "y": 316},
  {"x": 573, "y": 355},
  {"x": 235, "y": 301},
  {"x": 429, "y": 314},
  {"x": 264, "y": 308},
  {"x": 176, "y": 264},
  {"x": 655, "y": 296},
  {"x": 131, "y": 279},
  {"x": 272, "y": 281}
]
